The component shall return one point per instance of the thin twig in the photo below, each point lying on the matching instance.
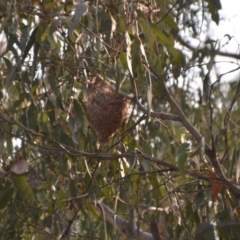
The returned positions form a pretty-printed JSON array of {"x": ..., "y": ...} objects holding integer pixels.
[{"x": 216, "y": 52}]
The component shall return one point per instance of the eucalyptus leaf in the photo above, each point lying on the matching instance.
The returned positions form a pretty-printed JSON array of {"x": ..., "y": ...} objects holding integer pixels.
[
  {"x": 182, "y": 163},
  {"x": 3, "y": 43},
  {"x": 23, "y": 187},
  {"x": 80, "y": 11},
  {"x": 6, "y": 196},
  {"x": 128, "y": 53},
  {"x": 205, "y": 230}
]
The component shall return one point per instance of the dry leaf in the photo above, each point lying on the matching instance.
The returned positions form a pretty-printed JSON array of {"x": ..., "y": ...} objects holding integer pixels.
[
  {"x": 217, "y": 185},
  {"x": 238, "y": 170},
  {"x": 3, "y": 43},
  {"x": 163, "y": 233},
  {"x": 154, "y": 229}
]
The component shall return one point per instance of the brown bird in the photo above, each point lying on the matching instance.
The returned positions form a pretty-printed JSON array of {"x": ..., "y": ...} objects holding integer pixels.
[{"x": 106, "y": 109}]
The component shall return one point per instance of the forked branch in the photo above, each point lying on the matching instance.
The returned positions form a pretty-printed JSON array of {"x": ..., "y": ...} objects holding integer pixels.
[{"x": 211, "y": 154}]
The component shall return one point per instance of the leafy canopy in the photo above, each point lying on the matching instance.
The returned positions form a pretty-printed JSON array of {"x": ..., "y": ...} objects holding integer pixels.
[{"x": 172, "y": 169}]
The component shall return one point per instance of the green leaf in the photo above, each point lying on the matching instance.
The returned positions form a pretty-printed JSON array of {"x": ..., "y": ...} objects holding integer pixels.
[
  {"x": 235, "y": 163},
  {"x": 177, "y": 57},
  {"x": 60, "y": 199},
  {"x": 19, "y": 101},
  {"x": 156, "y": 62},
  {"x": 8, "y": 64},
  {"x": 59, "y": 102},
  {"x": 78, "y": 111},
  {"x": 200, "y": 199},
  {"x": 71, "y": 213},
  {"x": 214, "y": 6},
  {"x": 136, "y": 54},
  {"x": 72, "y": 188},
  {"x": 5, "y": 196},
  {"x": 45, "y": 117},
  {"x": 51, "y": 112},
  {"x": 81, "y": 9},
  {"x": 183, "y": 148},
  {"x": 122, "y": 24},
  {"x": 46, "y": 184},
  {"x": 30, "y": 43},
  {"x": 182, "y": 163},
  {"x": 106, "y": 192},
  {"x": 52, "y": 81},
  {"x": 11, "y": 70},
  {"x": 158, "y": 191},
  {"x": 199, "y": 151},
  {"x": 31, "y": 116},
  {"x": 21, "y": 184},
  {"x": 146, "y": 147},
  {"x": 215, "y": 130},
  {"x": 169, "y": 20},
  {"x": 126, "y": 168},
  {"x": 205, "y": 230},
  {"x": 51, "y": 30},
  {"x": 123, "y": 59},
  {"x": 41, "y": 32},
  {"x": 148, "y": 32},
  {"x": 224, "y": 215},
  {"x": 118, "y": 79},
  {"x": 24, "y": 36},
  {"x": 160, "y": 34},
  {"x": 92, "y": 210}
]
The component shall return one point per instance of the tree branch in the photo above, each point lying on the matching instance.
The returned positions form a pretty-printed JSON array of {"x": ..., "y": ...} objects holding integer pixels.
[
  {"x": 160, "y": 115},
  {"x": 193, "y": 49},
  {"x": 182, "y": 116},
  {"x": 211, "y": 154},
  {"x": 122, "y": 225}
]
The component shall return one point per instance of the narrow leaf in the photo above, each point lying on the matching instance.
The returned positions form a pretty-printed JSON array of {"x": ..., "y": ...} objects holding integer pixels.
[
  {"x": 149, "y": 97},
  {"x": 123, "y": 59},
  {"x": 114, "y": 26},
  {"x": 146, "y": 147},
  {"x": 217, "y": 185},
  {"x": 30, "y": 43},
  {"x": 169, "y": 20},
  {"x": 205, "y": 230},
  {"x": 3, "y": 43},
  {"x": 6, "y": 197},
  {"x": 21, "y": 184},
  {"x": 154, "y": 229},
  {"x": 182, "y": 163},
  {"x": 160, "y": 34},
  {"x": 202, "y": 149},
  {"x": 81, "y": 9},
  {"x": 51, "y": 30},
  {"x": 238, "y": 168},
  {"x": 183, "y": 148},
  {"x": 128, "y": 55}
]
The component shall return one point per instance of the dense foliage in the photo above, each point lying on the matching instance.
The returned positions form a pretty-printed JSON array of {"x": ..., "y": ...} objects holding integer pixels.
[{"x": 172, "y": 170}]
